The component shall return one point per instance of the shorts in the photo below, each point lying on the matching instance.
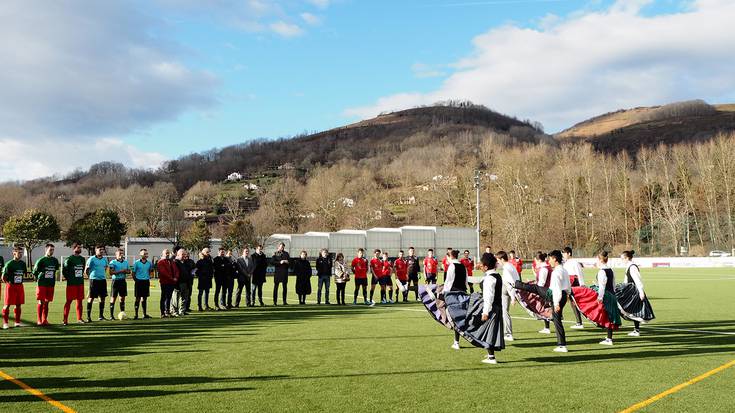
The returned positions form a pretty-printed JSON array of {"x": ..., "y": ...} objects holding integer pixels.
[
  {"x": 75, "y": 292},
  {"x": 14, "y": 294},
  {"x": 142, "y": 288},
  {"x": 119, "y": 288},
  {"x": 44, "y": 293},
  {"x": 97, "y": 288},
  {"x": 431, "y": 278},
  {"x": 374, "y": 280},
  {"x": 384, "y": 281},
  {"x": 413, "y": 277},
  {"x": 361, "y": 281}
]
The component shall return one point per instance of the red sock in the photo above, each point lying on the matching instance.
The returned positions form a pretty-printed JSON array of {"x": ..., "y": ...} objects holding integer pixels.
[
  {"x": 5, "y": 315},
  {"x": 39, "y": 310},
  {"x": 79, "y": 309},
  {"x": 17, "y": 314},
  {"x": 67, "y": 306},
  {"x": 45, "y": 312}
]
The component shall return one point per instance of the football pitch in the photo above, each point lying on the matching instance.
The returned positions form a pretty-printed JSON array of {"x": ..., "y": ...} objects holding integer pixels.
[{"x": 385, "y": 358}]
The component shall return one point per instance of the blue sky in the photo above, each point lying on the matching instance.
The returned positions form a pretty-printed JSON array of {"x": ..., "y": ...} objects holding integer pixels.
[{"x": 144, "y": 81}]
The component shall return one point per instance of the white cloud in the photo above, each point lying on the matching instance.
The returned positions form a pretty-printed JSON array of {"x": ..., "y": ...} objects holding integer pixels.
[
  {"x": 590, "y": 63},
  {"x": 285, "y": 29},
  {"x": 311, "y": 19},
  {"x": 322, "y": 4},
  {"x": 23, "y": 160}
]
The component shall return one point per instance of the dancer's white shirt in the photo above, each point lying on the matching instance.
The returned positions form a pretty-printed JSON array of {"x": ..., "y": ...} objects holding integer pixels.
[
  {"x": 488, "y": 291},
  {"x": 573, "y": 267},
  {"x": 559, "y": 282},
  {"x": 543, "y": 273},
  {"x": 635, "y": 274},
  {"x": 510, "y": 276}
]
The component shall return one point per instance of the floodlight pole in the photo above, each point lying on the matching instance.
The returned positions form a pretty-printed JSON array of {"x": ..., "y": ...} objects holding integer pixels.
[{"x": 477, "y": 212}]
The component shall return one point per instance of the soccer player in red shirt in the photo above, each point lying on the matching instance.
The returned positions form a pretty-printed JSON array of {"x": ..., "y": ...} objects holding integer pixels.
[
  {"x": 516, "y": 261},
  {"x": 384, "y": 279},
  {"x": 401, "y": 266},
  {"x": 360, "y": 269},
  {"x": 430, "y": 267},
  {"x": 376, "y": 269},
  {"x": 470, "y": 266}
]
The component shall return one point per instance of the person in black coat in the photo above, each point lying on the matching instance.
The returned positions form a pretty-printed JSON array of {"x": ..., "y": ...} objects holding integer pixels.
[
  {"x": 260, "y": 261},
  {"x": 302, "y": 269},
  {"x": 324, "y": 265},
  {"x": 205, "y": 272},
  {"x": 192, "y": 265},
  {"x": 281, "y": 261},
  {"x": 222, "y": 270}
]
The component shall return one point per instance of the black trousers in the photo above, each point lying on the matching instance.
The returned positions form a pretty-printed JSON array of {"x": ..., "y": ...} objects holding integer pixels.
[
  {"x": 275, "y": 291},
  {"x": 219, "y": 282},
  {"x": 243, "y": 283},
  {"x": 556, "y": 317},
  {"x": 227, "y": 290},
  {"x": 341, "y": 292}
]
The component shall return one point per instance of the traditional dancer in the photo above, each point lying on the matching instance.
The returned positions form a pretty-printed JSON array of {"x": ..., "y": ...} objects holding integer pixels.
[
  {"x": 455, "y": 287},
  {"x": 556, "y": 294},
  {"x": 632, "y": 300},
  {"x": 598, "y": 303},
  {"x": 510, "y": 276},
  {"x": 576, "y": 277},
  {"x": 543, "y": 278}
]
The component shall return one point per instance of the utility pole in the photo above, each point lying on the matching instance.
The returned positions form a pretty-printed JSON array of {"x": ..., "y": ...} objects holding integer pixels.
[{"x": 477, "y": 213}]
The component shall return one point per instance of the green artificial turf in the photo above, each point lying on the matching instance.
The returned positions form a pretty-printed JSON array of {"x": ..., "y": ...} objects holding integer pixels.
[{"x": 386, "y": 358}]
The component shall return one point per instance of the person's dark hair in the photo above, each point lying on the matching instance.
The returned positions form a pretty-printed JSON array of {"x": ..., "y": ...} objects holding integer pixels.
[
  {"x": 449, "y": 249},
  {"x": 50, "y": 245},
  {"x": 603, "y": 256},
  {"x": 282, "y": 244},
  {"x": 177, "y": 248},
  {"x": 568, "y": 250},
  {"x": 142, "y": 249},
  {"x": 489, "y": 261},
  {"x": 466, "y": 252},
  {"x": 401, "y": 251},
  {"x": 376, "y": 250},
  {"x": 75, "y": 244},
  {"x": 512, "y": 252},
  {"x": 17, "y": 248},
  {"x": 100, "y": 246},
  {"x": 360, "y": 250},
  {"x": 556, "y": 254},
  {"x": 629, "y": 254},
  {"x": 430, "y": 250},
  {"x": 454, "y": 253},
  {"x": 411, "y": 248},
  {"x": 340, "y": 256},
  {"x": 541, "y": 256},
  {"x": 221, "y": 249},
  {"x": 487, "y": 247},
  {"x": 501, "y": 255}
]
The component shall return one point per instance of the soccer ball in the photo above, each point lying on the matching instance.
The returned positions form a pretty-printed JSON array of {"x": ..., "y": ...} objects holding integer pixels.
[{"x": 121, "y": 315}]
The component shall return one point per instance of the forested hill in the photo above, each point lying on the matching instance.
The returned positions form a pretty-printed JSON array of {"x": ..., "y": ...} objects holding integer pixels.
[
  {"x": 461, "y": 122},
  {"x": 632, "y": 129},
  {"x": 389, "y": 133}
]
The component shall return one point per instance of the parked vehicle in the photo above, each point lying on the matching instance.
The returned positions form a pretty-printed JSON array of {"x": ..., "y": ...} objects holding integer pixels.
[{"x": 717, "y": 253}]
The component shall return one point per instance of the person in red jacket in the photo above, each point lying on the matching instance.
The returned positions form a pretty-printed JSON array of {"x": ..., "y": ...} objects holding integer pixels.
[
  {"x": 515, "y": 261},
  {"x": 360, "y": 269},
  {"x": 376, "y": 269},
  {"x": 401, "y": 266},
  {"x": 384, "y": 279},
  {"x": 470, "y": 266},
  {"x": 430, "y": 267},
  {"x": 168, "y": 277}
]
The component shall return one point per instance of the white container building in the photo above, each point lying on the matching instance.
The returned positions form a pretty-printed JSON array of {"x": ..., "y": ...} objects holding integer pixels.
[
  {"x": 271, "y": 244},
  {"x": 347, "y": 241},
  {"x": 456, "y": 238},
  {"x": 311, "y": 242},
  {"x": 384, "y": 239},
  {"x": 419, "y": 237}
]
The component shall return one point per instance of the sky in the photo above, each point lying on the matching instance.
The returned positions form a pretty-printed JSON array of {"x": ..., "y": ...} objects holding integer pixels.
[{"x": 140, "y": 82}]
